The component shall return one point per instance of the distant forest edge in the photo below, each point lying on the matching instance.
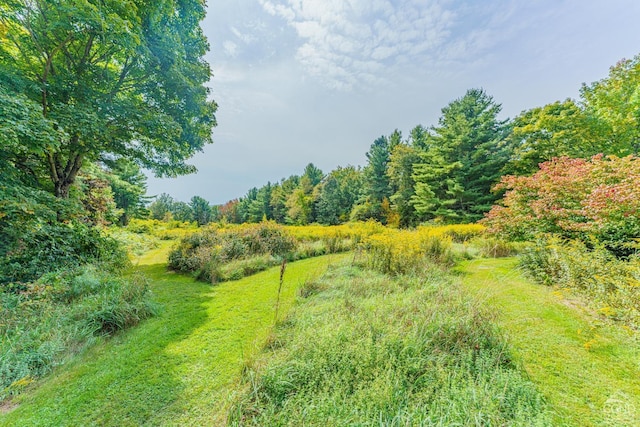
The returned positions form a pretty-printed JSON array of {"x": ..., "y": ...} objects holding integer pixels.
[{"x": 445, "y": 173}]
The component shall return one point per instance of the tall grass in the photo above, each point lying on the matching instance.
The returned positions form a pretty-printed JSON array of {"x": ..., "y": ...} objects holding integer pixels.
[
  {"x": 611, "y": 285},
  {"x": 43, "y": 322},
  {"x": 362, "y": 348}
]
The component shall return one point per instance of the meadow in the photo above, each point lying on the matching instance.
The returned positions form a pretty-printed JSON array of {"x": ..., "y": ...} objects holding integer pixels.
[{"x": 370, "y": 326}]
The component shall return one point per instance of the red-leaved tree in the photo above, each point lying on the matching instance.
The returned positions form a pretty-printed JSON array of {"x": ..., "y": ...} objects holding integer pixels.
[{"x": 597, "y": 198}]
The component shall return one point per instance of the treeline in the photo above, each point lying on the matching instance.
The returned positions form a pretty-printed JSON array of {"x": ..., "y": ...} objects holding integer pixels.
[{"x": 446, "y": 172}]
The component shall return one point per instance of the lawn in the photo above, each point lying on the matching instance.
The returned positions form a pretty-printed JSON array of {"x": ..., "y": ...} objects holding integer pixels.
[
  {"x": 587, "y": 368},
  {"x": 176, "y": 368}
]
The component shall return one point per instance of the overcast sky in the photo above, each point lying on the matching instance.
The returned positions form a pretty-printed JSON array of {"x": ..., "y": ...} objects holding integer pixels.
[{"x": 300, "y": 81}]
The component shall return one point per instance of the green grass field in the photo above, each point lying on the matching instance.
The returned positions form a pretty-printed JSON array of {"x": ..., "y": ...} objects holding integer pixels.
[
  {"x": 212, "y": 350},
  {"x": 588, "y": 369},
  {"x": 174, "y": 369}
]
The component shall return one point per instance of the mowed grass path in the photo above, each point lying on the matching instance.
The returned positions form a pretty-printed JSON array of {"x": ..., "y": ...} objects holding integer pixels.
[
  {"x": 176, "y": 368},
  {"x": 588, "y": 370}
]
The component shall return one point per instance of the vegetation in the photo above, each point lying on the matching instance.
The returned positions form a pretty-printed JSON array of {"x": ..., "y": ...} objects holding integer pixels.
[
  {"x": 93, "y": 91},
  {"x": 586, "y": 368},
  {"x": 177, "y": 368},
  {"x": 611, "y": 286},
  {"x": 45, "y": 321},
  {"x": 100, "y": 80},
  {"x": 362, "y": 348},
  {"x": 596, "y": 199},
  {"x": 218, "y": 254}
]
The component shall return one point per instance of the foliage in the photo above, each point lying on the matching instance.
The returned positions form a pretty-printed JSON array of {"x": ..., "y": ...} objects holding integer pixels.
[
  {"x": 129, "y": 186},
  {"x": 400, "y": 171},
  {"x": 59, "y": 314},
  {"x": 614, "y": 105},
  {"x": 404, "y": 251},
  {"x": 376, "y": 188},
  {"x": 113, "y": 79},
  {"x": 574, "y": 198},
  {"x": 364, "y": 349},
  {"x": 201, "y": 210},
  {"x": 339, "y": 192},
  {"x": 604, "y": 120},
  {"x": 612, "y": 286},
  {"x": 204, "y": 252},
  {"x": 557, "y": 129},
  {"x": 50, "y": 248},
  {"x": 454, "y": 177}
]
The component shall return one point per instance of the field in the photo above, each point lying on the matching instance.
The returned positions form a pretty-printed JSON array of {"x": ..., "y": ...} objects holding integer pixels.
[{"x": 374, "y": 326}]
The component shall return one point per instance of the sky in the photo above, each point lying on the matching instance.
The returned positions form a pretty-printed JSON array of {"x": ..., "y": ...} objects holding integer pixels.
[{"x": 317, "y": 81}]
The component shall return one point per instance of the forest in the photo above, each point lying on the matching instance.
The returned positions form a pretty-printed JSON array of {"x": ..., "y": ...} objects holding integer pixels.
[{"x": 417, "y": 289}]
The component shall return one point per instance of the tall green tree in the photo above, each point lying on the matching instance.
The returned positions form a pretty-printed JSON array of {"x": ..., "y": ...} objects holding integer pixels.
[
  {"x": 401, "y": 163},
  {"x": 557, "y": 129},
  {"x": 614, "y": 103},
  {"x": 161, "y": 207},
  {"x": 463, "y": 160},
  {"x": 129, "y": 187},
  {"x": 201, "y": 210},
  {"x": 111, "y": 78},
  {"x": 338, "y": 193},
  {"x": 377, "y": 187}
]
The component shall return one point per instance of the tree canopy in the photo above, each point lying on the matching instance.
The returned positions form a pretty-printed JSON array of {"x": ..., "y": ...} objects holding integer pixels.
[{"x": 108, "y": 79}]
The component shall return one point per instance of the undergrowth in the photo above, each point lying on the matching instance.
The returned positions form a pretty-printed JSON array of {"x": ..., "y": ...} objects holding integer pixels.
[
  {"x": 611, "y": 285},
  {"x": 43, "y": 322},
  {"x": 362, "y": 348}
]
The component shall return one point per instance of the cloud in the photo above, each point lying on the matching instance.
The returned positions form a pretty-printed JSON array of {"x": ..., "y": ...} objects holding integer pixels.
[{"x": 346, "y": 43}]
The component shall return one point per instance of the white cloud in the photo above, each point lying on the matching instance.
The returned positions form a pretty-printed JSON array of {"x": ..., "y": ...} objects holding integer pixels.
[
  {"x": 230, "y": 48},
  {"x": 344, "y": 42}
]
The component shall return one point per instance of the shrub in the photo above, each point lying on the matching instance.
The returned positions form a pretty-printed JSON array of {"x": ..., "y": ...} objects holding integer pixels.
[
  {"x": 405, "y": 251},
  {"x": 492, "y": 247},
  {"x": 611, "y": 285},
  {"x": 204, "y": 253},
  {"x": 60, "y": 313},
  {"x": 59, "y": 246},
  {"x": 574, "y": 198}
]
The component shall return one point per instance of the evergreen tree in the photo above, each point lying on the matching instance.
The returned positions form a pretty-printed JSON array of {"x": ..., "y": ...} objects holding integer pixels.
[
  {"x": 463, "y": 160},
  {"x": 201, "y": 210}
]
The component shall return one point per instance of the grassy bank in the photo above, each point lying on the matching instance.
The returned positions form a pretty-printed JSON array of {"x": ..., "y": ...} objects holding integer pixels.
[{"x": 365, "y": 349}]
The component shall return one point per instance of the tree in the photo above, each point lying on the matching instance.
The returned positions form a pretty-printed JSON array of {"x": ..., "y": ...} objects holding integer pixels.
[
  {"x": 129, "y": 186},
  {"x": 337, "y": 194},
  {"x": 596, "y": 198},
  {"x": 557, "y": 129},
  {"x": 110, "y": 79},
  {"x": 614, "y": 103},
  {"x": 201, "y": 210},
  {"x": 161, "y": 207},
  {"x": 400, "y": 171},
  {"x": 463, "y": 160},
  {"x": 377, "y": 187},
  {"x": 181, "y": 211}
]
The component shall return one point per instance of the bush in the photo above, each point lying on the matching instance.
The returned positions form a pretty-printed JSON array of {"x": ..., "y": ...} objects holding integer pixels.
[
  {"x": 574, "y": 198},
  {"x": 404, "y": 251},
  {"x": 61, "y": 313},
  {"x": 492, "y": 247},
  {"x": 56, "y": 247},
  {"x": 611, "y": 285},
  {"x": 204, "y": 253}
]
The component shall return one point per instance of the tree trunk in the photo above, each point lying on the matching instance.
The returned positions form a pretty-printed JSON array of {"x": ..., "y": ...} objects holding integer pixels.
[{"x": 63, "y": 174}]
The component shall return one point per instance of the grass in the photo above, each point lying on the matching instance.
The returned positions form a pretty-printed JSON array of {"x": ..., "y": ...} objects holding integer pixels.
[
  {"x": 174, "y": 369},
  {"x": 587, "y": 368},
  {"x": 365, "y": 349}
]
